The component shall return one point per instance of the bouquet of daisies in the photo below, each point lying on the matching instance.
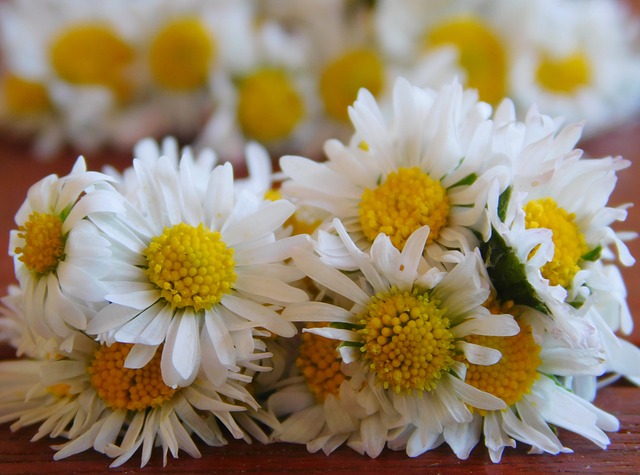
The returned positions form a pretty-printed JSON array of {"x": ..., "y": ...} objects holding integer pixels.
[
  {"x": 448, "y": 275},
  {"x": 107, "y": 74}
]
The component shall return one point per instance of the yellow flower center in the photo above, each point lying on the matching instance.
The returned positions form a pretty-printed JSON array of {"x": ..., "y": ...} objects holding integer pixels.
[
  {"x": 512, "y": 376},
  {"x": 407, "y": 200},
  {"x": 43, "y": 243},
  {"x": 191, "y": 266},
  {"x": 319, "y": 362},
  {"x": 406, "y": 340},
  {"x": 92, "y": 54},
  {"x": 181, "y": 55},
  {"x": 569, "y": 243},
  {"x": 480, "y": 53},
  {"x": 564, "y": 75},
  {"x": 23, "y": 96},
  {"x": 343, "y": 78},
  {"x": 269, "y": 106},
  {"x": 126, "y": 388}
]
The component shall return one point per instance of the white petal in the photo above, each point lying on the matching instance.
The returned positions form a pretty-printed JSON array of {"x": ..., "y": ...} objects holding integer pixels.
[
  {"x": 480, "y": 355},
  {"x": 274, "y": 289},
  {"x": 316, "y": 312},
  {"x": 488, "y": 324},
  {"x": 260, "y": 315},
  {"x": 329, "y": 277},
  {"x": 110, "y": 317},
  {"x": 140, "y": 355},
  {"x": 181, "y": 353}
]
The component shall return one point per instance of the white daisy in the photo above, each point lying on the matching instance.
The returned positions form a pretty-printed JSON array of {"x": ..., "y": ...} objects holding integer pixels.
[
  {"x": 118, "y": 412},
  {"x": 551, "y": 218},
  {"x": 268, "y": 98},
  {"x": 465, "y": 38},
  {"x": 198, "y": 270},
  {"x": 528, "y": 378},
  {"x": 579, "y": 60},
  {"x": 404, "y": 326},
  {"x": 81, "y": 58},
  {"x": 57, "y": 266},
  {"x": 430, "y": 165},
  {"x": 176, "y": 96}
]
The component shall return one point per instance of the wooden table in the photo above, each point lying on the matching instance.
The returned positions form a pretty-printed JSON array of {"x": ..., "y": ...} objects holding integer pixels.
[{"x": 19, "y": 169}]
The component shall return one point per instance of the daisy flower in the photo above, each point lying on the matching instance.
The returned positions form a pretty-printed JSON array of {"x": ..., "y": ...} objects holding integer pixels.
[
  {"x": 197, "y": 270},
  {"x": 578, "y": 60},
  {"x": 79, "y": 395},
  {"x": 176, "y": 96},
  {"x": 430, "y": 165},
  {"x": 57, "y": 261},
  {"x": 528, "y": 378},
  {"x": 73, "y": 63},
  {"x": 405, "y": 325},
  {"x": 268, "y": 98},
  {"x": 468, "y": 36},
  {"x": 551, "y": 220}
]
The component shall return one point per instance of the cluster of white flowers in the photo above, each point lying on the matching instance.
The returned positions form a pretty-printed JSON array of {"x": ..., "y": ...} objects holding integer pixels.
[
  {"x": 283, "y": 72},
  {"x": 448, "y": 274}
]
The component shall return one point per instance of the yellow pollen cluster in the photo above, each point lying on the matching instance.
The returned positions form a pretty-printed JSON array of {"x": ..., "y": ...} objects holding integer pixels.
[
  {"x": 564, "y": 75},
  {"x": 191, "y": 266},
  {"x": 269, "y": 106},
  {"x": 512, "y": 376},
  {"x": 407, "y": 200},
  {"x": 92, "y": 54},
  {"x": 406, "y": 340},
  {"x": 60, "y": 390},
  {"x": 319, "y": 362},
  {"x": 480, "y": 53},
  {"x": 23, "y": 96},
  {"x": 569, "y": 243},
  {"x": 343, "y": 78},
  {"x": 44, "y": 242},
  {"x": 126, "y": 388},
  {"x": 181, "y": 55}
]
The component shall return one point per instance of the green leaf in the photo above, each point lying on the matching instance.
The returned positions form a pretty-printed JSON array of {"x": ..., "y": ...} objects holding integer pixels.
[
  {"x": 353, "y": 344},
  {"x": 593, "y": 255},
  {"x": 503, "y": 203},
  {"x": 467, "y": 180},
  {"x": 508, "y": 274},
  {"x": 344, "y": 325}
]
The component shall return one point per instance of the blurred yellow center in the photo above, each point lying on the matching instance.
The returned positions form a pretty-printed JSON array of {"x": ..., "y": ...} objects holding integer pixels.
[
  {"x": 569, "y": 243},
  {"x": 191, "y": 266},
  {"x": 512, "y": 376},
  {"x": 343, "y": 78},
  {"x": 126, "y": 388},
  {"x": 92, "y": 54},
  {"x": 305, "y": 220},
  {"x": 269, "y": 106},
  {"x": 406, "y": 340},
  {"x": 23, "y": 96},
  {"x": 564, "y": 75},
  {"x": 181, "y": 55},
  {"x": 480, "y": 53},
  {"x": 407, "y": 200},
  {"x": 43, "y": 242},
  {"x": 319, "y": 362}
]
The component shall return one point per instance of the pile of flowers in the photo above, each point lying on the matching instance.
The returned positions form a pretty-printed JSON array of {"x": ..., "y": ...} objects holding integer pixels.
[
  {"x": 448, "y": 275},
  {"x": 283, "y": 73}
]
